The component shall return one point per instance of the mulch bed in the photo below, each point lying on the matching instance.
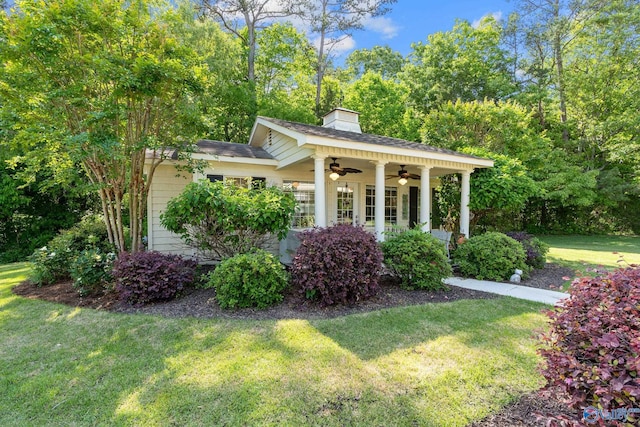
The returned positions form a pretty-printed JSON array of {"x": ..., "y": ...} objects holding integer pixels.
[{"x": 201, "y": 303}]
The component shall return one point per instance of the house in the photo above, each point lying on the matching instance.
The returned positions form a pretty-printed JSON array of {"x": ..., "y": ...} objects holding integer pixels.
[{"x": 337, "y": 173}]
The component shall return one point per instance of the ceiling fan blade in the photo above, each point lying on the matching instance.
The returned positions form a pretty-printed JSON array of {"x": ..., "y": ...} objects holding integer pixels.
[
  {"x": 414, "y": 176},
  {"x": 351, "y": 170}
]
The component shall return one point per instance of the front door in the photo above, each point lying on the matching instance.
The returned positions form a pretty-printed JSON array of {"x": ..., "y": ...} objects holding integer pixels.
[{"x": 413, "y": 206}]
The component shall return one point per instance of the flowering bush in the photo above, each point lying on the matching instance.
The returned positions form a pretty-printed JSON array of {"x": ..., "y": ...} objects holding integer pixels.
[
  {"x": 255, "y": 279},
  {"x": 535, "y": 249},
  {"x": 53, "y": 262},
  {"x": 338, "y": 264},
  {"x": 145, "y": 277},
  {"x": 592, "y": 351},
  {"x": 91, "y": 270},
  {"x": 417, "y": 258}
]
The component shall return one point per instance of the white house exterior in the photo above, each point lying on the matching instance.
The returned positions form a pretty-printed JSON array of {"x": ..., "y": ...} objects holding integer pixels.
[{"x": 297, "y": 156}]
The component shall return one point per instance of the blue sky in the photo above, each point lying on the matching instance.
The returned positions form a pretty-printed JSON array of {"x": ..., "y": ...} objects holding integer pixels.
[{"x": 413, "y": 20}]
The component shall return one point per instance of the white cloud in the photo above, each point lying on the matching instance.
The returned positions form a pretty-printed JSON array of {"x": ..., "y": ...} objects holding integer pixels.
[
  {"x": 496, "y": 15},
  {"x": 382, "y": 25},
  {"x": 343, "y": 45}
]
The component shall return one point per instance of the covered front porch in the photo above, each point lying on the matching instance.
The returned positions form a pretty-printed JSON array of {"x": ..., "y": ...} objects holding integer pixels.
[{"x": 341, "y": 175}]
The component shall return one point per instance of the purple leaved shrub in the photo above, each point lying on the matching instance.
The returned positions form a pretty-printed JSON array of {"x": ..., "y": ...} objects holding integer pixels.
[
  {"x": 592, "y": 350},
  {"x": 146, "y": 277},
  {"x": 535, "y": 249},
  {"x": 340, "y": 264}
]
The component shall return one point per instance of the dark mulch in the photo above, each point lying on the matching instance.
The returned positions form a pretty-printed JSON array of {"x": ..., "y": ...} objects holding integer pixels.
[{"x": 201, "y": 303}]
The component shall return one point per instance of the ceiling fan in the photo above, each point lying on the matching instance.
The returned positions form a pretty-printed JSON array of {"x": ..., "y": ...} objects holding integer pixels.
[
  {"x": 337, "y": 171},
  {"x": 404, "y": 175}
]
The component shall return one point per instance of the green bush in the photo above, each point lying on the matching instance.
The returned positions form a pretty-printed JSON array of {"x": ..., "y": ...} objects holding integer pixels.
[
  {"x": 492, "y": 256},
  {"x": 91, "y": 270},
  {"x": 221, "y": 220},
  {"x": 255, "y": 279},
  {"x": 52, "y": 262},
  {"x": 417, "y": 258}
]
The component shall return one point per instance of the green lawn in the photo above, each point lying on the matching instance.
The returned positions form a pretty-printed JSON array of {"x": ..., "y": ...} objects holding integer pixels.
[
  {"x": 431, "y": 365},
  {"x": 583, "y": 253}
]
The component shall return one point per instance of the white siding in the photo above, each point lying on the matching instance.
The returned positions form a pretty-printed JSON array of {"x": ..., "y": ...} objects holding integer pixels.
[{"x": 165, "y": 186}]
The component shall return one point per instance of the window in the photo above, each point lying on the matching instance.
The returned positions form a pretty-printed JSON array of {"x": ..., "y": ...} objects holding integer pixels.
[
  {"x": 304, "y": 193},
  {"x": 390, "y": 205}
]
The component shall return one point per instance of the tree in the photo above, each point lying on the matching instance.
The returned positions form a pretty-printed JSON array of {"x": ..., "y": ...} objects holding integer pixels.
[
  {"x": 334, "y": 21},
  {"x": 244, "y": 18},
  {"x": 464, "y": 64},
  {"x": 382, "y": 104},
  {"x": 284, "y": 74},
  {"x": 108, "y": 83},
  {"x": 550, "y": 27},
  {"x": 379, "y": 59}
]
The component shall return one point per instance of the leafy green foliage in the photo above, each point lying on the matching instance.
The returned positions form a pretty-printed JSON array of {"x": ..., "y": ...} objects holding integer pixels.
[
  {"x": 255, "y": 279},
  {"x": 91, "y": 271},
  {"x": 592, "y": 349},
  {"x": 222, "y": 220},
  {"x": 380, "y": 60},
  {"x": 53, "y": 262},
  {"x": 146, "y": 277},
  {"x": 340, "y": 264},
  {"x": 417, "y": 258},
  {"x": 382, "y": 104},
  {"x": 109, "y": 80},
  {"x": 465, "y": 63},
  {"x": 492, "y": 256}
]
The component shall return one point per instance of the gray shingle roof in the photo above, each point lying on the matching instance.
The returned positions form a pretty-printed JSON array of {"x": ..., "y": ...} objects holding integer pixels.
[
  {"x": 231, "y": 149},
  {"x": 361, "y": 137}
]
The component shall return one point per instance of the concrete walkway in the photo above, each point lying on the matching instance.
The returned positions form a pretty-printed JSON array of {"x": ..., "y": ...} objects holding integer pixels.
[{"x": 509, "y": 289}]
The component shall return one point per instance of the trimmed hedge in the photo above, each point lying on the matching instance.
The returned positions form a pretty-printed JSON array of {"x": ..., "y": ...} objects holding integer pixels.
[
  {"x": 491, "y": 256},
  {"x": 255, "y": 279},
  {"x": 417, "y": 258}
]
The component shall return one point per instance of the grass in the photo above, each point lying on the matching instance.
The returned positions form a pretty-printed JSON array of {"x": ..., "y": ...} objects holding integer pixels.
[
  {"x": 584, "y": 254},
  {"x": 430, "y": 365}
]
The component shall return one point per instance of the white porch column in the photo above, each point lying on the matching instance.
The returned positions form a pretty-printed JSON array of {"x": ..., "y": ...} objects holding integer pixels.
[
  {"x": 425, "y": 198},
  {"x": 320, "y": 192},
  {"x": 379, "y": 201},
  {"x": 464, "y": 202}
]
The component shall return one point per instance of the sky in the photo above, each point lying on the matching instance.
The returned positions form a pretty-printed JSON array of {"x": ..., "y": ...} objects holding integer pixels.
[{"x": 412, "y": 21}]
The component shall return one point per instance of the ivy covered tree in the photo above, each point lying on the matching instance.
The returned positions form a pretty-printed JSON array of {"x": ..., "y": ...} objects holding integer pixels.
[{"x": 110, "y": 84}]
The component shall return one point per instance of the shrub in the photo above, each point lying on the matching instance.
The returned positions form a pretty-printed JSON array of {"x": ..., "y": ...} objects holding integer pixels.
[
  {"x": 492, "y": 256},
  {"x": 146, "y": 277},
  {"x": 338, "y": 264},
  {"x": 592, "y": 350},
  {"x": 535, "y": 249},
  {"x": 53, "y": 262},
  {"x": 221, "y": 219},
  {"x": 255, "y": 279},
  {"x": 417, "y": 258},
  {"x": 91, "y": 271}
]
